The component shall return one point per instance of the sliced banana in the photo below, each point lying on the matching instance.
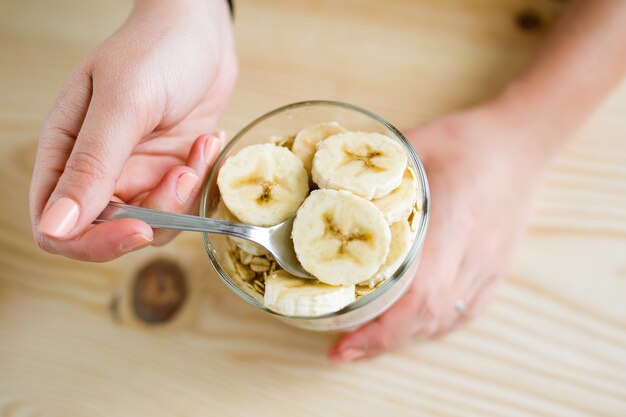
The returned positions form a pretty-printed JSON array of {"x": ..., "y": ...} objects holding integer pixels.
[
  {"x": 363, "y": 290},
  {"x": 340, "y": 238},
  {"x": 370, "y": 165},
  {"x": 252, "y": 248},
  {"x": 398, "y": 204},
  {"x": 249, "y": 247},
  {"x": 305, "y": 143},
  {"x": 222, "y": 212},
  {"x": 263, "y": 185},
  {"x": 284, "y": 141},
  {"x": 415, "y": 218},
  {"x": 401, "y": 239},
  {"x": 291, "y": 296}
]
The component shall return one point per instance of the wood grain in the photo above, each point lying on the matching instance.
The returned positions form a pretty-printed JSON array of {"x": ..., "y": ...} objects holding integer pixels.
[{"x": 553, "y": 343}]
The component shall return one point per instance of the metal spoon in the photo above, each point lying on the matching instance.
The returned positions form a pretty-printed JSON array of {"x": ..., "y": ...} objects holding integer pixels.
[{"x": 276, "y": 239}]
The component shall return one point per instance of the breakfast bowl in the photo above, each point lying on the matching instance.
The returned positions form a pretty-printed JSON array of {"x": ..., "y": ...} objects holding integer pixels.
[{"x": 244, "y": 268}]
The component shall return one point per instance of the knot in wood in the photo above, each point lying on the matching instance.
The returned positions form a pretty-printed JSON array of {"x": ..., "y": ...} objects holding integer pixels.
[{"x": 159, "y": 291}]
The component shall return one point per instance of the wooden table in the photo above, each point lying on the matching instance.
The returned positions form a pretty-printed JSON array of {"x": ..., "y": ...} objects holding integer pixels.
[{"x": 553, "y": 343}]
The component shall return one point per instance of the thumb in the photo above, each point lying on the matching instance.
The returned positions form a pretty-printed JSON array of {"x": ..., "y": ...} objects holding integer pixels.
[{"x": 109, "y": 133}]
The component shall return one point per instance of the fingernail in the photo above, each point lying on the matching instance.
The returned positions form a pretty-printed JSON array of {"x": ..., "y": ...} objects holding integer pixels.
[
  {"x": 185, "y": 185},
  {"x": 60, "y": 218},
  {"x": 211, "y": 148},
  {"x": 133, "y": 242},
  {"x": 351, "y": 354}
]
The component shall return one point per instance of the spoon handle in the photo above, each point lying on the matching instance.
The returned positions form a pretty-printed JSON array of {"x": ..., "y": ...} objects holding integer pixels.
[{"x": 165, "y": 220}]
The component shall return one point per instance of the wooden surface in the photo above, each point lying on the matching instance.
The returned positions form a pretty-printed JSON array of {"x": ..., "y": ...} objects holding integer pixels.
[{"x": 553, "y": 343}]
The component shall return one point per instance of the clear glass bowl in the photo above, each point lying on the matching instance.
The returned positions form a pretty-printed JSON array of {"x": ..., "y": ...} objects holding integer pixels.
[{"x": 286, "y": 121}]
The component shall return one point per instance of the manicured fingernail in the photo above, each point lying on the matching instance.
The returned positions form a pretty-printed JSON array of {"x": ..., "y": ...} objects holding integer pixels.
[
  {"x": 135, "y": 241},
  {"x": 211, "y": 148},
  {"x": 351, "y": 354},
  {"x": 185, "y": 185},
  {"x": 60, "y": 218}
]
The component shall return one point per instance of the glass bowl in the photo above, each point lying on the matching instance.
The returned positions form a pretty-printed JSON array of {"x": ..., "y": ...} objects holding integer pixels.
[{"x": 286, "y": 121}]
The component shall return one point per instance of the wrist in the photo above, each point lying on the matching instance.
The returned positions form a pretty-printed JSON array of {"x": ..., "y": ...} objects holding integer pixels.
[
  {"x": 203, "y": 20},
  {"x": 534, "y": 124},
  {"x": 211, "y": 8}
]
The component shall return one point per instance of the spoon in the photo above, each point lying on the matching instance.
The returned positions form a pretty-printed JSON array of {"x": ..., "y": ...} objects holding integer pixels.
[{"x": 275, "y": 239}]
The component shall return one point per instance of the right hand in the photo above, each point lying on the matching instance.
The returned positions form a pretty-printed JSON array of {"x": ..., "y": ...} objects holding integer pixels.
[{"x": 123, "y": 126}]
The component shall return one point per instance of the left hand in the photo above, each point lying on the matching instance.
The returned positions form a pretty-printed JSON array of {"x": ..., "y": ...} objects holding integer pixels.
[{"x": 483, "y": 175}]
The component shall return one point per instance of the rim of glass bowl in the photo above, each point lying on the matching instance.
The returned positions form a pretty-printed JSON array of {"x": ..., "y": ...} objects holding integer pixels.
[{"x": 415, "y": 247}]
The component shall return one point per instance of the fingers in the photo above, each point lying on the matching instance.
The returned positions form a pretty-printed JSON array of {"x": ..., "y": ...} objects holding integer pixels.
[
  {"x": 107, "y": 241},
  {"x": 388, "y": 331},
  {"x": 108, "y": 133},
  {"x": 477, "y": 294},
  {"x": 204, "y": 151},
  {"x": 57, "y": 139},
  {"x": 179, "y": 188},
  {"x": 420, "y": 309},
  {"x": 103, "y": 242},
  {"x": 414, "y": 314},
  {"x": 172, "y": 194},
  {"x": 418, "y": 314},
  {"x": 84, "y": 145}
]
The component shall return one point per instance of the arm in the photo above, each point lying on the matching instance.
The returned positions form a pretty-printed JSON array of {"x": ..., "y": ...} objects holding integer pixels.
[
  {"x": 577, "y": 66},
  {"x": 484, "y": 165}
]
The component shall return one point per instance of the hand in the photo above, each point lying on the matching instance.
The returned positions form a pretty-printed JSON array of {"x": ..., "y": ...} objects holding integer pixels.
[
  {"x": 124, "y": 124},
  {"x": 483, "y": 177}
]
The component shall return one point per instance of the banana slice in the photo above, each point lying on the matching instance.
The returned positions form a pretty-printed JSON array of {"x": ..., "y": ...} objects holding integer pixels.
[
  {"x": 284, "y": 141},
  {"x": 291, "y": 296},
  {"x": 252, "y": 248},
  {"x": 415, "y": 219},
  {"x": 363, "y": 290},
  {"x": 340, "y": 238},
  {"x": 249, "y": 247},
  {"x": 263, "y": 185},
  {"x": 401, "y": 240},
  {"x": 398, "y": 204},
  {"x": 370, "y": 165},
  {"x": 305, "y": 143}
]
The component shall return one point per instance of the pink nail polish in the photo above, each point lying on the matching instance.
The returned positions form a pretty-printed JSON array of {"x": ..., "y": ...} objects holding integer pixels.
[
  {"x": 352, "y": 354},
  {"x": 60, "y": 218},
  {"x": 211, "y": 148},
  {"x": 133, "y": 242},
  {"x": 185, "y": 185}
]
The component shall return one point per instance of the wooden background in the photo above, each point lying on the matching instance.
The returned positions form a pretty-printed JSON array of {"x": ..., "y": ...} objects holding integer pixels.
[{"x": 553, "y": 343}]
